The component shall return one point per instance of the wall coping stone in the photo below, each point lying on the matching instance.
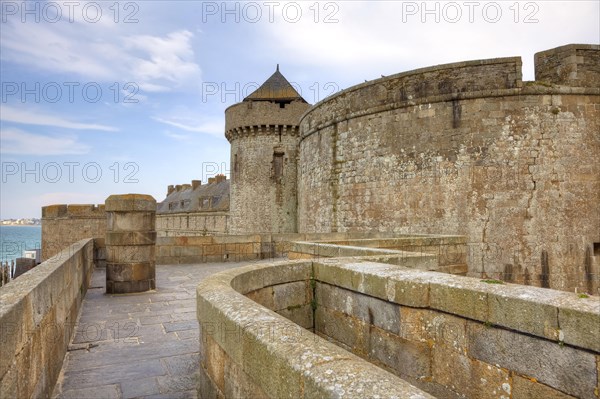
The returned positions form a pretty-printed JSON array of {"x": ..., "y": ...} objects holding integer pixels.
[
  {"x": 130, "y": 203},
  {"x": 555, "y": 315},
  {"x": 284, "y": 351}
]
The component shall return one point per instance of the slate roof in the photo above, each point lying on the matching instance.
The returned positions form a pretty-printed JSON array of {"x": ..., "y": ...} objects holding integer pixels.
[
  {"x": 207, "y": 197},
  {"x": 276, "y": 88}
]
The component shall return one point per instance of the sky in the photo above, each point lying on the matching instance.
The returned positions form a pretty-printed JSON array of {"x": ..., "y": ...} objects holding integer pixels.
[{"x": 106, "y": 97}]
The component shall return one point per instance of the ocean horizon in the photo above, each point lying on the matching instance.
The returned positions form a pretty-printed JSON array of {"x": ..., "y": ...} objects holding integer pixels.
[{"x": 16, "y": 239}]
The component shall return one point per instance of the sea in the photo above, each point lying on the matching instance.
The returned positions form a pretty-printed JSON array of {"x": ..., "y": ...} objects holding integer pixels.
[{"x": 16, "y": 239}]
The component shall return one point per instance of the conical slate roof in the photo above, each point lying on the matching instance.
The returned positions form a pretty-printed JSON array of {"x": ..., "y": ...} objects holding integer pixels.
[{"x": 276, "y": 88}]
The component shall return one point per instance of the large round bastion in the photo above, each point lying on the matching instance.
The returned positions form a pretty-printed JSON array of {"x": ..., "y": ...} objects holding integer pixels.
[{"x": 467, "y": 148}]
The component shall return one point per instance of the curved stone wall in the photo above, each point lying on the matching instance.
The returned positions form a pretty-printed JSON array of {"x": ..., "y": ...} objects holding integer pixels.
[
  {"x": 247, "y": 350},
  {"x": 468, "y": 149},
  {"x": 397, "y": 331}
]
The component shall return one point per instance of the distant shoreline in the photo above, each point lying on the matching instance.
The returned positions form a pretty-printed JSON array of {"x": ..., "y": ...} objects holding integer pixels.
[{"x": 22, "y": 225}]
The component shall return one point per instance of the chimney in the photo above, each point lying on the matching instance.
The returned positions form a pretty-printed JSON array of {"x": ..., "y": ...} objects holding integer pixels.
[
  {"x": 220, "y": 178},
  {"x": 196, "y": 184},
  {"x": 178, "y": 187},
  {"x": 170, "y": 189},
  {"x": 211, "y": 180}
]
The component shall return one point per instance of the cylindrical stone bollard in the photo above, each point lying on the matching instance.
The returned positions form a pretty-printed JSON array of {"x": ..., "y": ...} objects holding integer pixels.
[{"x": 130, "y": 238}]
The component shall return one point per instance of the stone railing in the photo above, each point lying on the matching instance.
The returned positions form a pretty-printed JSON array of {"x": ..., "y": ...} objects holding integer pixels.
[
  {"x": 399, "y": 332},
  {"x": 37, "y": 314}
]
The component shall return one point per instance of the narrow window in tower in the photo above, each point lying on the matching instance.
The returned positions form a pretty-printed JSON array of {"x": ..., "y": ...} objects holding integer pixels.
[
  {"x": 235, "y": 166},
  {"x": 278, "y": 165}
]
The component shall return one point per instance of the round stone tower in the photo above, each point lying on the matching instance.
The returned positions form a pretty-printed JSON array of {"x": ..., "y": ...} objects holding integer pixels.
[{"x": 264, "y": 136}]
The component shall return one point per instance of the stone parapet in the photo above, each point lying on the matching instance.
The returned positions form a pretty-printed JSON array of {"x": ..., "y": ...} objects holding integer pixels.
[
  {"x": 249, "y": 349},
  {"x": 575, "y": 65},
  {"x": 63, "y": 225},
  {"x": 436, "y": 334},
  {"x": 38, "y": 312}
]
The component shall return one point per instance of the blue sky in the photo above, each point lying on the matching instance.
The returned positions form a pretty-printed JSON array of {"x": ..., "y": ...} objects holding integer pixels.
[{"x": 112, "y": 97}]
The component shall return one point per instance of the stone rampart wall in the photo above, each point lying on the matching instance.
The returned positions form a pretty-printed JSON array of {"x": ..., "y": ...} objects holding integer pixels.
[
  {"x": 465, "y": 149},
  {"x": 572, "y": 65},
  {"x": 63, "y": 225},
  {"x": 38, "y": 312}
]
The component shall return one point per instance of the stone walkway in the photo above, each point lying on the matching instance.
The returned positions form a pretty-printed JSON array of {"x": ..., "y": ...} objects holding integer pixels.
[{"x": 139, "y": 345}]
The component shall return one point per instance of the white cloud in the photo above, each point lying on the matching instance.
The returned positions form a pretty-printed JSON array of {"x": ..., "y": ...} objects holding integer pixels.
[
  {"x": 373, "y": 38},
  {"x": 212, "y": 127},
  {"x": 16, "y": 141},
  {"x": 103, "y": 52},
  {"x": 31, "y": 117},
  {"x": 177, "y": 136}
]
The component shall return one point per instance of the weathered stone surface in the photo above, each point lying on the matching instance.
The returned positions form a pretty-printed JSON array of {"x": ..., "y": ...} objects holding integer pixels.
[
  {"x": 265, "y": 274},
  {"x": 276, "y": 354},
  {"x": 63, "y": 225},
  {"x": 424, "y": 325},
  {"x": 264, "y": 139},
  {"x": 239, "y": 385},
  {"x": 353, "y": 379},
  {"x": 37, "y": 314},
  {"x": 347, "y": 330},
  {"x": 523, "y": 387},
  {"x": 302, "y": 315},
  {"x": 406, "y": 358},
  {"x": 524, "y": 309},
  {"x": 390, "y": 283},
  {"x": 130, "y": 243},
  {"x": 558, "y": 366},
  {"x": 462, "y": 297},
  {"x": 570, "y": 65},
  {"x": 214, "y": 361},
  {"x": 466, "y": 148},
  {"x": 469, "y": 377},
  {"x": 118, "y": 238},
  {"x": 435, "y": 350},
  {"x": 365, "y": 308},
  {"x": 263, "y": 296},
  {"x": 207, "y": 389},
  {"x": 130, "y": 202},
  {"x": 291, "y": 295},
  {"x": 579, "y": 321}
]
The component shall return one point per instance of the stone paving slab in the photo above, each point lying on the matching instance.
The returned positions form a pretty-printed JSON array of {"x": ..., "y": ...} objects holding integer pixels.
[{"x": 138, "y": 345}]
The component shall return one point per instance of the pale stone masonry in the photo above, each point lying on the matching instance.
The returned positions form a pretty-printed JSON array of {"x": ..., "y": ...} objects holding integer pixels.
[
  {"x": 464, "y": 149},
  {"x": 130, "y": 243},
  {"x": 405, "y": 206},
  {"x": 470, "y": 149},
  {"x": 428, "y": 333},
  {"x": 38, "y": 312},
  {"x": 264, "y": 136},
  {"x": 63, "y": 225}
]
